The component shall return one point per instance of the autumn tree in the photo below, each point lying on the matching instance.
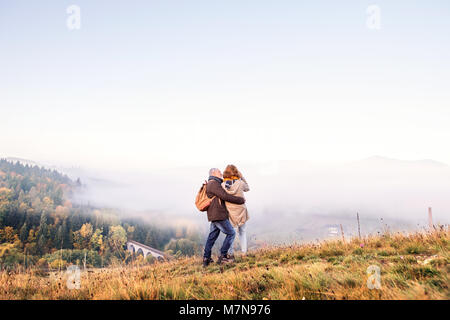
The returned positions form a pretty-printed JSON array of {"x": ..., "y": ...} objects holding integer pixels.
[
  {"x": 117, "y": 237},
  {"x": 82, "y": 237}
]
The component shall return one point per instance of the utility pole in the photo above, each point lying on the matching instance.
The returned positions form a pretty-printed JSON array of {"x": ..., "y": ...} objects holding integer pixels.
[
  {"x": 60, "y": 260},
  {"x": 342, "y": 233},
  {"x": 430, "y": 218},
  {"x": 359, "y": 227}
]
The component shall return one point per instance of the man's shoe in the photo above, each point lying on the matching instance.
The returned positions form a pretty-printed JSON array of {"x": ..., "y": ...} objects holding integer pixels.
[
  {"x": 224, "y": 258},
  {"x": 207, "y": 261}
]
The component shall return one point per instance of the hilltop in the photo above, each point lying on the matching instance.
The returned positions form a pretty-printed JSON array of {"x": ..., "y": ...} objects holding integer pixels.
[{"x": 413, "y": 266}]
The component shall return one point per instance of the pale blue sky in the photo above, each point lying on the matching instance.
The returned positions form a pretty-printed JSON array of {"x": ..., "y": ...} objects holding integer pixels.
[{"x": 141, "y": 81}]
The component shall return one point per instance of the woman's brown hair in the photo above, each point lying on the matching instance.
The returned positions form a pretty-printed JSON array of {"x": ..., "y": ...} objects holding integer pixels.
[{"x": 230, "y": 171}]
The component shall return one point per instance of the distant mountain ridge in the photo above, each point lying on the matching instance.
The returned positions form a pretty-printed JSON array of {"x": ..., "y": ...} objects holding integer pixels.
[{"x": 372, "y": 160}]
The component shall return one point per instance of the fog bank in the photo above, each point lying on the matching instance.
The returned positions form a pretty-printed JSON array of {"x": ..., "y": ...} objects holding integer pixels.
[{"x": 289, "y": 200}]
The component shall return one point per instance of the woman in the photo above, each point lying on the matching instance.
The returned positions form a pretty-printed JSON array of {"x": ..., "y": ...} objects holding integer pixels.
[{"x": 235, "y": 184}]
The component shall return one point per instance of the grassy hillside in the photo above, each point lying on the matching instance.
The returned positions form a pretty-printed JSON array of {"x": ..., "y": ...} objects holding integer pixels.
[{"x": 412, "y": 266}]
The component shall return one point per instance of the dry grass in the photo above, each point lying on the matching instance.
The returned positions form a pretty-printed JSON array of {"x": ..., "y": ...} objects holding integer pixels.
[{"x": 412, "y": 267}]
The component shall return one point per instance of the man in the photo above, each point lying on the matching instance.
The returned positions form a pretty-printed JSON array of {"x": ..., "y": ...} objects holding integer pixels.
[{"x": 218, "y": 216}]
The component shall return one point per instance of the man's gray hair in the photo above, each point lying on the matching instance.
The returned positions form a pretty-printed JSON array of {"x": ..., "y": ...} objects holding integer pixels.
[{"x": 212, "y": 171}]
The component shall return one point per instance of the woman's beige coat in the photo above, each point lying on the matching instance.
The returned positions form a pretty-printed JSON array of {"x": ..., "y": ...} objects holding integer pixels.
[{"x": 238, "y": 212}]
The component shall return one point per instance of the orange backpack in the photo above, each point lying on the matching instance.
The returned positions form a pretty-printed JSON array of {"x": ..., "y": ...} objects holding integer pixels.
[{"x": 202, "y": 202}]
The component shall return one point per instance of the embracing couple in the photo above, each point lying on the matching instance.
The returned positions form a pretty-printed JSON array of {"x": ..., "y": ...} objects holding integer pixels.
[{"x": 226, "y": 212}]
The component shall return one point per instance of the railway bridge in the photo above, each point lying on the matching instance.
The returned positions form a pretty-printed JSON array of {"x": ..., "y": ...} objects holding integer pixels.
[{"x": 139, "y": 248}]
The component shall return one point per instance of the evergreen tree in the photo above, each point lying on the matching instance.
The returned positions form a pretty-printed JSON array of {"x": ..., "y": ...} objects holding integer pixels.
[
  {"x": 23, "y": 235},
  {"x": 42, "y": 233}
]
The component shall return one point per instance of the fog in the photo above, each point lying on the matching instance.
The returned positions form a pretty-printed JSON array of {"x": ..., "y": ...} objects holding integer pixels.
[{"x": 288, "y": 200}]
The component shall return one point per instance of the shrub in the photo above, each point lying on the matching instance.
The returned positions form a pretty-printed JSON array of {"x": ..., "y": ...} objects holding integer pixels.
[
  {"x": 350, "y": 282},
  {"x": 58, "y": 263},
  {"x": 331, "y": 252},
  {"x": 415, "y": 249}
]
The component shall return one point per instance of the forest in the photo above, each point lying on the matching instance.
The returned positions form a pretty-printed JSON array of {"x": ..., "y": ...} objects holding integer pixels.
[{"x": 41, "y": 227}]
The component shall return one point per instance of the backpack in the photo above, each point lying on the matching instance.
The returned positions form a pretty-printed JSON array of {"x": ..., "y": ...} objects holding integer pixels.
[{"x": 202, "y": 202}]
